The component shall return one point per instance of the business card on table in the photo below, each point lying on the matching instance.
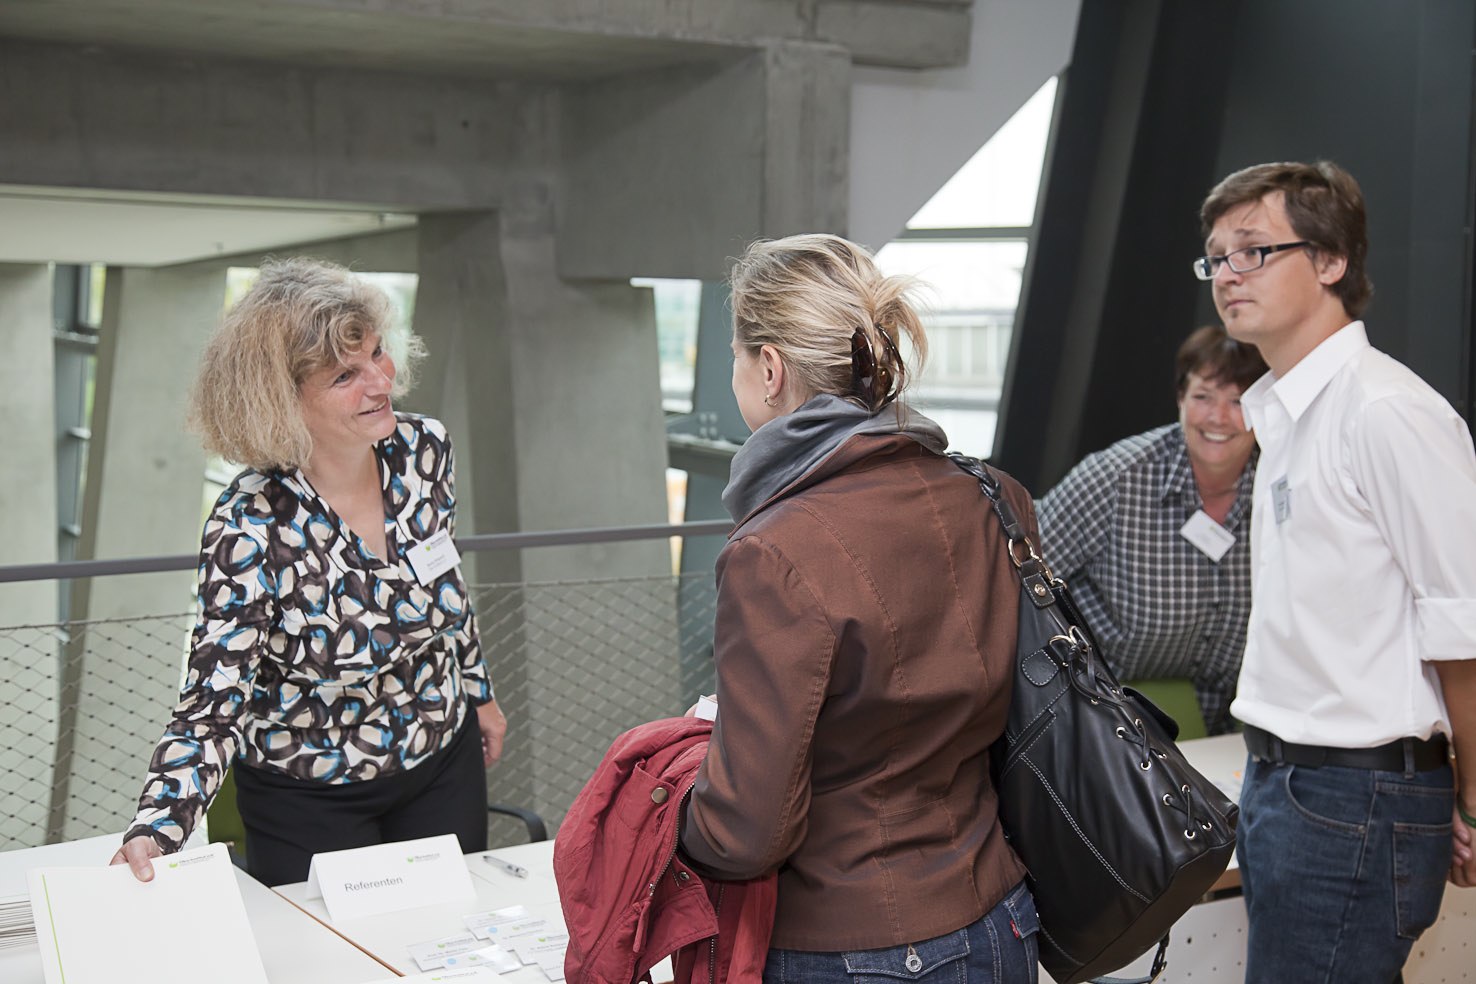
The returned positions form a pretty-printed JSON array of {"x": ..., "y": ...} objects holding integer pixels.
[
  {"x": 517, "y": 929},
  {"x": 497, "y": 958},
  {"x": 433, "y": 953},
  {"x": 549, "y": 952},
  {"x": 491, "y": 955},
  {"x": 541, "y": 950},
  {"x": 480, "y": 922},
  {"x": 368, "y": 881}
]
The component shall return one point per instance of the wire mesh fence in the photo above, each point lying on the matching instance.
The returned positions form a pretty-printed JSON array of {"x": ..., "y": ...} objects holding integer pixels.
[{"x": 574, "y": 662}]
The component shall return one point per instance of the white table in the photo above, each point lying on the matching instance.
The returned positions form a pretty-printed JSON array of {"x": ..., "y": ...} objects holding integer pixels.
[
  {"x": 1221, "y": 760},
  {"x": 294, "y": 948},
  {"x": 388, "y": 937}
]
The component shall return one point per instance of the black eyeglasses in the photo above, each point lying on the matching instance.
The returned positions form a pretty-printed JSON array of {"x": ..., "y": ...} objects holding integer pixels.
[{"x": 1242, "y": 260}]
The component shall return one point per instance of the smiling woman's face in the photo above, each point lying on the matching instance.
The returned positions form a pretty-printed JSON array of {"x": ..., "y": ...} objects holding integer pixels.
[
  {"x": 1214, "y": 430},
  {"x": 349, "y": 404}
]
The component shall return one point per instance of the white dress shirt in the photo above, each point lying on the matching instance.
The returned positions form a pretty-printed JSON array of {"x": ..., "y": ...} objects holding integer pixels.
[{"x": 1363, "y": 549}]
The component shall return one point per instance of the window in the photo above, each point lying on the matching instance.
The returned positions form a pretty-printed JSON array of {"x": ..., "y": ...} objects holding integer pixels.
[
  {"x": 968, "y": 245},
  {"x": 677, "y": 306}
]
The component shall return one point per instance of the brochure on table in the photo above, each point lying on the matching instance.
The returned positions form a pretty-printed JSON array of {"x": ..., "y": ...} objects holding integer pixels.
[
  {"x": 370, "y": 881},
  {"x": 100, "y": 925}
]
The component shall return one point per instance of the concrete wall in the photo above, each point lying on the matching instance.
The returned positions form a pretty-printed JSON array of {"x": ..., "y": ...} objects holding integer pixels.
[
  {"x": 28, "y": 657},
  {"x": 143, "y": 498},
  {"x": 670, "y": 173},
  {"x": 550, "y": 389}
]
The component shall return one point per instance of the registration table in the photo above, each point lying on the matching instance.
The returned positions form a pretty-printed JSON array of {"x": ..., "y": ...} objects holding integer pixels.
[
  {"x": 389, "y": 936},
  {"x": 294, "y": 948}
]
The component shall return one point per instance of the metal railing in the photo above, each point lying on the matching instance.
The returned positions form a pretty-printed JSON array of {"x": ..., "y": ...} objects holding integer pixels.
[{"x": 575, "y": 663}]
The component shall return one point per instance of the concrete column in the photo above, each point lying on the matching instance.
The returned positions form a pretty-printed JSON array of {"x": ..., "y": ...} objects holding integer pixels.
[
  {"x": 552, "y": 393},
  {"x": 28, "y": 531},
  {"x": 668, "y": 173},
  {"x": 144, "y": 497}
]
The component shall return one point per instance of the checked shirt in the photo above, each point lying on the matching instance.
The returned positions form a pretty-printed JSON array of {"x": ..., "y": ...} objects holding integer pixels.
[{"x": 1157, "y": 605}]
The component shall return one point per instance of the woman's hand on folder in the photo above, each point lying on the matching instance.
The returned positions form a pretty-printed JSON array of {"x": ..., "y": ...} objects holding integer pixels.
[{"x": 138, "y": 854}]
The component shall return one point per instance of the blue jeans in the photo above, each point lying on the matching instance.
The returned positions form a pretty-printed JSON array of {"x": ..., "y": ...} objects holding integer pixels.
[
  {"x": 1342, "y": 869},
  {"x": 999, "y": 948}
]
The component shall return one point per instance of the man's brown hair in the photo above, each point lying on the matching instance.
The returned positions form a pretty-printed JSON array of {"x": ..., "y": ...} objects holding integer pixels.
[{"x": 1324, "y": 206}]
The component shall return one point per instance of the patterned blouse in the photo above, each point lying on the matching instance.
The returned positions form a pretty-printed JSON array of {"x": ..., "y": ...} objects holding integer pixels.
[
  {"x": 1158, "y": 606},
  {"x": 311, "y": 656}
]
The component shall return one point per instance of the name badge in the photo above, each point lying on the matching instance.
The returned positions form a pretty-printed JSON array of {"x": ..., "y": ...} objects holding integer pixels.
[
  {"x": 1208, "y": 536},
  {"x": 1281, "y": 499},
  {"x": 429, "y": 559},
  {"x": 367, "y": 881}
]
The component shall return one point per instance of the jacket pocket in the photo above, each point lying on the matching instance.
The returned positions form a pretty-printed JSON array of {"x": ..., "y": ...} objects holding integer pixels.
[{"x": 642, "y": 801}]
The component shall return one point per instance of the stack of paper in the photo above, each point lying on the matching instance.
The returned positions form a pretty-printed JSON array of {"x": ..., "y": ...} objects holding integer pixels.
[
  {"x": 17, "y": 929},
  {"x": 100, "y": 925}
]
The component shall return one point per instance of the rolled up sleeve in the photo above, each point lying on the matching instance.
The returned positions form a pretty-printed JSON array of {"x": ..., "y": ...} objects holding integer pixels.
[{"x": 1417, "y": 468}]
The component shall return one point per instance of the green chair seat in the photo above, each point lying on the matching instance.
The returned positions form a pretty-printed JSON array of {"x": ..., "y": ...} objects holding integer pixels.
[{"x": 1175, "y": 697}]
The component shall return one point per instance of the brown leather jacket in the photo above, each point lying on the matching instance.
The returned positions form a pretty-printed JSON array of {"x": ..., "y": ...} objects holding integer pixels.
[{"x": 865, "y": 631}]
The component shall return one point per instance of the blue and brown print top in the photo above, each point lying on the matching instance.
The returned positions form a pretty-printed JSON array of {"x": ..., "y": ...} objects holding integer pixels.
[{"x": 311, "y": 656}]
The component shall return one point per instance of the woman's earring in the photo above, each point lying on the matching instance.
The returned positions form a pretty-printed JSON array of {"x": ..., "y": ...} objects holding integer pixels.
[{"x": 769, "y": 401}]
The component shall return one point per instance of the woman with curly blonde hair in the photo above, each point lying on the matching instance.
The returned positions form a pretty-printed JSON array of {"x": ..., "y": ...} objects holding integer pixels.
[{"x": 335, "y": 664}]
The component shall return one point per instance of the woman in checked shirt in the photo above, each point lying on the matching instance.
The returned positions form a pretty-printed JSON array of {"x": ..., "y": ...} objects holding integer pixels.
[
  {"x": 1153, "y": 533},
  {"x": 335, "y": 662}
]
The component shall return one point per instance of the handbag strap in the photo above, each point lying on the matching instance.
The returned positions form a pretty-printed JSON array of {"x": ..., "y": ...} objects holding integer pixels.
[
  {"x": 1044, "y": 589},
  {"x": 1035, "y": 575}
]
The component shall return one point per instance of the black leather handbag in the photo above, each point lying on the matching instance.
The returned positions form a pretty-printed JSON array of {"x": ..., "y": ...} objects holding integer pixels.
[{"x": 1120, "y": 834}]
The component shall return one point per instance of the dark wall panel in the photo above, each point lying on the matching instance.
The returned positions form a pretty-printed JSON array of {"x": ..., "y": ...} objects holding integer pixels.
[{"x": 1383, "y": 88}]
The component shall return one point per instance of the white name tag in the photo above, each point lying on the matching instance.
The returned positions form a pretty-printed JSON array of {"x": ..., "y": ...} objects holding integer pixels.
[
  {"x": 429, "y": 559},
  {"x": 1281, "y": 499},
  {"x": 1208, "y": 536},
  {"x": 368, "y": 881}
]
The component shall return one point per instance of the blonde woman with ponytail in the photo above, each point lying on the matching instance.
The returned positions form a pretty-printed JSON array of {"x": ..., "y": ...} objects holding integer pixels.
[{"x": 865, "y": 630}]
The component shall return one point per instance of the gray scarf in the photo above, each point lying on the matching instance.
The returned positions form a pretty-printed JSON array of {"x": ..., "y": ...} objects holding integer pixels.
[{"x": 787, "y": 447}]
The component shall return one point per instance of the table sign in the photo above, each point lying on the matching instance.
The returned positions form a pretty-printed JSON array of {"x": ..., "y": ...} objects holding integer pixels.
[{"x": 370, "y": 881}]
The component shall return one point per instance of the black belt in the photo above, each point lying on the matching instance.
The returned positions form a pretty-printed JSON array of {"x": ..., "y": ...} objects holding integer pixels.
[{"x": 1421, "y": 754}]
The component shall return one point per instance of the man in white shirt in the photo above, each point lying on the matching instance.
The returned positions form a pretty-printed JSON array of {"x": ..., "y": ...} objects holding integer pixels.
[{"x": 1360, "y": 664}]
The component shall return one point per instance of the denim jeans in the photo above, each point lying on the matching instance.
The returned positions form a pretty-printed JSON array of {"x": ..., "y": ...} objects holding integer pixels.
[
  {"x": 999, "y": 948},
  {"x": 1342, "y": 869}
]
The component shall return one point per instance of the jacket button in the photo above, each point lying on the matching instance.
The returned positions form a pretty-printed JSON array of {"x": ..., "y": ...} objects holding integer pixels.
[
  {"x": 683, "y": 876},
  {"x": 658, "y": 795}
]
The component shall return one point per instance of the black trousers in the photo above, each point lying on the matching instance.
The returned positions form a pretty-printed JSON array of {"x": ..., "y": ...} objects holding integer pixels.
[{"x": 289, "y": 820}]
